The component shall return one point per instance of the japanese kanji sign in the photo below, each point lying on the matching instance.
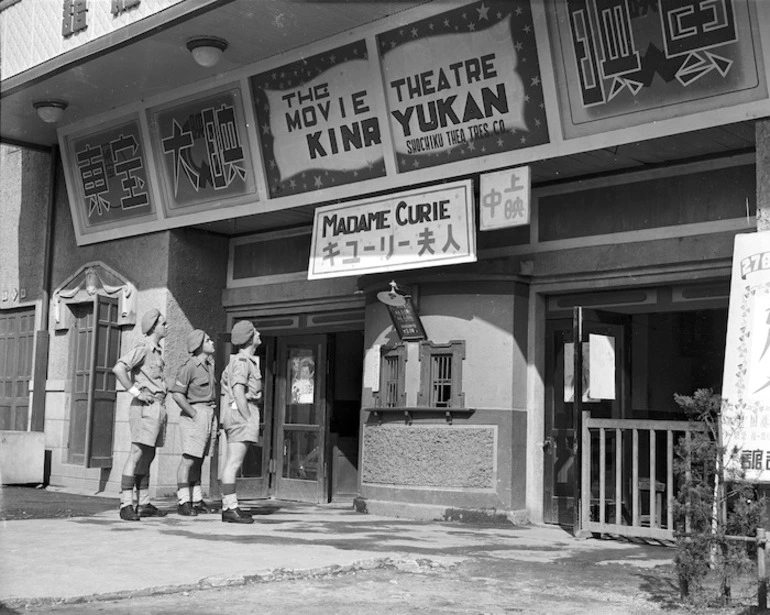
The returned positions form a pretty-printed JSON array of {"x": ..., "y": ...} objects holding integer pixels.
[
  {"x": 463, "y": 83},
  {"x": 108, "y": 173},
  {"x": 318, "y": 123},
  {"x": 407, "y": 321},
  {"x": 505, "y": 197},
  {"x": 428, "y": 227},
  {"x": 203, "y": 151},
  {"x": 623, "y": 61},
  {"x": 746, "y": 384}
]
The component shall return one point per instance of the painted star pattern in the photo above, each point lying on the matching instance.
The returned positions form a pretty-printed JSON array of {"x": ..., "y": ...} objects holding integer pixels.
[
  {"x": 477, "y": 17},
  {"x": 293, "y": 76}
]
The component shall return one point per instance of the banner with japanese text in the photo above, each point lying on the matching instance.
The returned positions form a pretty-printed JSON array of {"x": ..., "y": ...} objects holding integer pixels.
[
  {"x": 107, "y": 176},
  {"x": 746, "y": 383},
  {"x": 203, "y": 153},
  {"x": 464, "y": 83},
  {"x": 317, "y": 121},
  {"x": 428, "y": 227},
  {"x": 627, "y": 63}
]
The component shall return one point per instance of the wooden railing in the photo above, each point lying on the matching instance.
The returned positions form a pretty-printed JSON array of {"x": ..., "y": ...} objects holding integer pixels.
[{"x": 620, "y": 495}]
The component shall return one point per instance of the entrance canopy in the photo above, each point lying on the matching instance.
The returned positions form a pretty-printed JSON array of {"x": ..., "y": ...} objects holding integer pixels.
[{"x": 123, "y": 59}]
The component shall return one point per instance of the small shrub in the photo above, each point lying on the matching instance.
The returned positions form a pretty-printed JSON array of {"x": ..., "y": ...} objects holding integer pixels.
[{"x": 713, "y": 501}]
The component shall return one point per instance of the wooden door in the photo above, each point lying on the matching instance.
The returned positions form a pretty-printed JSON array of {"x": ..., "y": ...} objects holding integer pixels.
[
  {"x": 94, "y": 351},
  {"x": 17, "y": 333},
  {"x": 568, "y": 345}
]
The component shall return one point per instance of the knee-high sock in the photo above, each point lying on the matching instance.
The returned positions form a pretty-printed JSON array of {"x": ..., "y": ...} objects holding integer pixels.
[
  {"x": 126, "y": 491},
  {"x": 143, "y": 488},
  {"x": 229, "y": 499}
]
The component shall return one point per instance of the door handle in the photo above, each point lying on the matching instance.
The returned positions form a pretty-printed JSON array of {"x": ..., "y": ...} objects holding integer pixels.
[{"x": 548, "y": 444}]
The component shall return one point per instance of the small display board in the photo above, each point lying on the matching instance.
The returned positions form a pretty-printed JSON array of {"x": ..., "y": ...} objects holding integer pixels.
[{"x": 407, "y": 322}]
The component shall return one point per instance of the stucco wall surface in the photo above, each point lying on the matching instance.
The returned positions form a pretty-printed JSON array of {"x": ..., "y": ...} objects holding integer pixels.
[
  {"x": 143, "y": 259},
  {"x": 494, "y": 358},
  {"x": 24, "y": 190},
  {"x": 430, "y": 456}
]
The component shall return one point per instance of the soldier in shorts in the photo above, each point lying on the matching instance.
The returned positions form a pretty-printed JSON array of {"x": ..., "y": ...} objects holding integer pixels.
[
  {"x": 193, "y": 391},
  {"x": 241, "y": 389},
  {"x": 140, "y": 371}
]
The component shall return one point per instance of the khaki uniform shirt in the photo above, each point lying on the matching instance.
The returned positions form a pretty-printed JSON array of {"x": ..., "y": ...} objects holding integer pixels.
[
  {"x": 195, "y": 380},
  {"x": 145, "y": 367},
  {"x": 244, "y": 370}
]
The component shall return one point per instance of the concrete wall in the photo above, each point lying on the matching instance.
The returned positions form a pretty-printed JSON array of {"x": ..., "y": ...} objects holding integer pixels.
[
  {"x": 479, "y": 460},
  {"x": 182, "y": 273},
  {"x": 197, "y": 274},
  {"x": 24, "y": 189}
]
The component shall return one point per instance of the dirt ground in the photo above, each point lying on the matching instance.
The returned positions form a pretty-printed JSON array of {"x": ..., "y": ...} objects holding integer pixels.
[
  {"x": 28, "y": 502},
  {"x": 488, "y": 584},
  {"x": 481, "y": 587}
]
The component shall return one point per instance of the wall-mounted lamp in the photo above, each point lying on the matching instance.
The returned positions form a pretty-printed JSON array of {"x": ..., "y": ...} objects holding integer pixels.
[
  {"x": 50, "y": 111},
  {"x": 392, "y": 296},
  {"x": 206, "y": 50}
]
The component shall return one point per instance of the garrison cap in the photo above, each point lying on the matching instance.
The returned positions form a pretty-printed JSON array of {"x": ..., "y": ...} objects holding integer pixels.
[
  {"x": 195, "y": 340},
  {"x": 149, "y": 319},
  {"x": 242, "y": 332}
]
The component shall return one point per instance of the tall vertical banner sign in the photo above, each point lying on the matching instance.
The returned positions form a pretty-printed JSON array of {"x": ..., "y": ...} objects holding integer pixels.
[
  {"x": 746, "y": 385},
  {"x": 203, "y": 152},
  {"x": 622, "y": 63},
  {"x": 107, "y": 177},
  {"x": 462, "y": 84},
  {"x": 318, "y": 123}
]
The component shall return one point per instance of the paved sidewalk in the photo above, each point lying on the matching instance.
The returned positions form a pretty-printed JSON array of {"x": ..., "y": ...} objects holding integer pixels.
[{"x": 71, "y": 559}]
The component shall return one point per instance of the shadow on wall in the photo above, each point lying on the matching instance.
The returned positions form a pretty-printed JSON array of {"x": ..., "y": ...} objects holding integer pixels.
[{"x": 35, "y": 177}]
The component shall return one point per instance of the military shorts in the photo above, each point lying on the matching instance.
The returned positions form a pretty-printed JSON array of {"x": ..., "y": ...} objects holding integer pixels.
[
  {"x": 237, "y": 427},
  {"x": 147, "y": 422},
  {"x": 196, "y": 431}
]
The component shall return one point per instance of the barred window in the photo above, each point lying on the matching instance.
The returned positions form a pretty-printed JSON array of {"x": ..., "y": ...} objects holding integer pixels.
[
  {"x": 441, "y": 374},
  {"x": 392, "y": 373}
]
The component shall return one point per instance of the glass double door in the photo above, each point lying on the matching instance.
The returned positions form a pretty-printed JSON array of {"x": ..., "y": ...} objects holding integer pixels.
[{"x": 289, "y": 461}]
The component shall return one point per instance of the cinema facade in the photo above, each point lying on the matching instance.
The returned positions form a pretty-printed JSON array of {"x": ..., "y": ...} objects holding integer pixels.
[{"x": 436, "y": 213}]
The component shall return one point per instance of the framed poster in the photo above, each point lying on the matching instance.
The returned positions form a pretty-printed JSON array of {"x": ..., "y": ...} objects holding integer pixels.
[
  {"x": 107, "y": 179},
  {"x": 620, "y": 63},
  {"x": 463, "y": 83},
  {"x": 202, "y": 150},
  {"x": 317, "y": 121}
]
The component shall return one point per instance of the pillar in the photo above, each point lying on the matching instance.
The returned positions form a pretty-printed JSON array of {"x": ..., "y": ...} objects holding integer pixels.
[{"x": 762, "y": 138}]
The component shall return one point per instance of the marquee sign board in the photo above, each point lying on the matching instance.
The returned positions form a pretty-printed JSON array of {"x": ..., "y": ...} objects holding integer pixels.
[{"x": 428, "y": 227}]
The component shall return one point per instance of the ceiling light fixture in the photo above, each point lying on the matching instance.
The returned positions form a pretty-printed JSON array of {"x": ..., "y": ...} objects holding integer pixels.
[
  {"x": 207, "y": 49},
  {"x": 50, "y": 111}
]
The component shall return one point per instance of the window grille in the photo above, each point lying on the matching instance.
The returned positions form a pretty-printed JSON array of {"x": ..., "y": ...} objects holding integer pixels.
[
  {"x": 392, "y": 374},
  {"x": 441, "y": 375},
  {"x": 440, "y": 381}
]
